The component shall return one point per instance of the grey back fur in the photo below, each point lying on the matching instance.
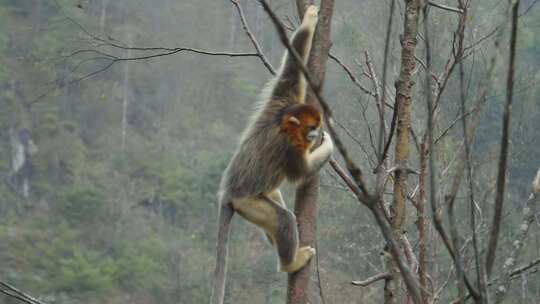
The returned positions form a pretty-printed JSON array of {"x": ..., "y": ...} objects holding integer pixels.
[{"x": 258, "y": 165}]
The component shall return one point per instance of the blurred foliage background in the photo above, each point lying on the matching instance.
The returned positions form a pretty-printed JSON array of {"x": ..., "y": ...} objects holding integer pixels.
[{"x": 108, "y": 182}]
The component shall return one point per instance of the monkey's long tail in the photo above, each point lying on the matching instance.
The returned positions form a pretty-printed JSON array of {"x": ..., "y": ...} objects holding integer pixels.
[{"x": 218, "y": 289}]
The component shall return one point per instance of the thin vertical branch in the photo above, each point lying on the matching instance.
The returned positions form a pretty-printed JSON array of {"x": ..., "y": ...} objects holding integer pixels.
[
  {"x": 393, "y": 248},
  {"x": 384, "y": 151},
  {"x": 459, "y": 58},
  {"x": 382, "y": 138},
  {"x": 480, "y": 100},
  {"x": 450, "y": 203},
  {"x": 453, "y": 247},
  {"x": 421, "y": 224},
  {"x": 376, "y": 90},
  {"x": 321, "y": 291},
  {"x": 503, "y": 157},
  {"x": 429, "y": 133}
]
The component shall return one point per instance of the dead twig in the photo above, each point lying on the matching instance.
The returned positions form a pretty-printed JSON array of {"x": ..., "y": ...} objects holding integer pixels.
[
  {"x": 446, "y": 7},
  {"x": 350, "y": 74},
  {"x": 372, "y": 279},
  {"x": 15, "y": 293},
  {"x": 251, "y": 37}
]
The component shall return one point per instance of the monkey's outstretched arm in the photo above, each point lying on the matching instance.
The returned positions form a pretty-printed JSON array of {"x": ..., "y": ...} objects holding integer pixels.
[
  {"x": 290, "y": 80},
  {"x": 318, "y": 157}
]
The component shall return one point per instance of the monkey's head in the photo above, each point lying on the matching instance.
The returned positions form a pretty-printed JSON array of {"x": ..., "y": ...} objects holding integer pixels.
[{"x": 301, "y": 123}]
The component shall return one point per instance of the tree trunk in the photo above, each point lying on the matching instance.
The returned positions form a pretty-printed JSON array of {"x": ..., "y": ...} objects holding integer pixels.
[
  {"x": 403, "y": 107},
  {"x": 306, "y": 195}
]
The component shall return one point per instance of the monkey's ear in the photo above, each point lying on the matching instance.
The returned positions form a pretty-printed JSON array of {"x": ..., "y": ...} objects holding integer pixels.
[{"x": 294, "y": 120}]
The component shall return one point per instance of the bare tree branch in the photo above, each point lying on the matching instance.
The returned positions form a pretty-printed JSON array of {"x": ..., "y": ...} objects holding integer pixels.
[
  {"x": 350, "y": 74},
  {"x": 503, "y": 156},
  {"x": 15, "y": 293},
  {"x": 384, "y": 79},
  {"x": 531, "y": 5},
  {"x": 381, "y": 103},
  {"x": 460, "y": 33},
  {"x": 111, "y": 59},
  {"x": 483, "y": 88},
  {"x": 436, "y": 217},
  {"x": 514, "y": 273},
  {"x": 531, "y": 264},
  {"x": 348, "y": 181},
  {"x": 432, "y": 172},
  {"x": 256, "y": 45},
  {"x": 321, "y": 292},
  {"x": 445, "y": 7},
  {"x": 528, "y": 211},
  {"x": 372, "y": 279},
  {"x": 355, "y": 139},
  {"x": 484, "y": 38},
  {"x": 460, "y": 117}
]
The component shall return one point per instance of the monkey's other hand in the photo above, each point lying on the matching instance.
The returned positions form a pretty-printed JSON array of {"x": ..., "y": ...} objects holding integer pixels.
[
  {"x": 311, "y": 16},
  {"x": 327, "y": 139}
]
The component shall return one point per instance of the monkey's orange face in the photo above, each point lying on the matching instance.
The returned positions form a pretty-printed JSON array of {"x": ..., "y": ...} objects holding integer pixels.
[
  {"x": 302, "y": 124},
  {"x": 310, "y": 129}
]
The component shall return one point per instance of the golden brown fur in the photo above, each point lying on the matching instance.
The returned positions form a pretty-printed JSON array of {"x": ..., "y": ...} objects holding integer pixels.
[{"x": 275, "y": 147}]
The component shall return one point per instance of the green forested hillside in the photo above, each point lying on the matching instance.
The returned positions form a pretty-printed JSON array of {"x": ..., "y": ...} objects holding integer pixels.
[{"x": 108, "y": 180}]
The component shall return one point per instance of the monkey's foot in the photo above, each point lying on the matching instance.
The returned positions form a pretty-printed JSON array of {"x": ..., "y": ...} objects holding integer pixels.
[
  {"x": 311, "y": 16},
  {"x": 303, "y": 255}
]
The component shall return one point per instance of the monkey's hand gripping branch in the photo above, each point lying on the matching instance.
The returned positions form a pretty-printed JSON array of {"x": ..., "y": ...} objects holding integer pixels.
[{"x": 318, "y": 157}]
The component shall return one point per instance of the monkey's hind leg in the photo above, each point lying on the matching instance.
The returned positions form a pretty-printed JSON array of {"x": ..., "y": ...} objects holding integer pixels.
[
  {"x": 303, "y": 254},
  {"x": 280, "y": 225},
  {"x": 291, "y": 257},
  {"x": 276, "y": 197}
]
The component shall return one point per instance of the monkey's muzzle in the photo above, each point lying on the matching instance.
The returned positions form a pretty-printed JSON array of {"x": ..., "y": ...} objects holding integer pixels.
[{"x": 312, "y": 135}]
